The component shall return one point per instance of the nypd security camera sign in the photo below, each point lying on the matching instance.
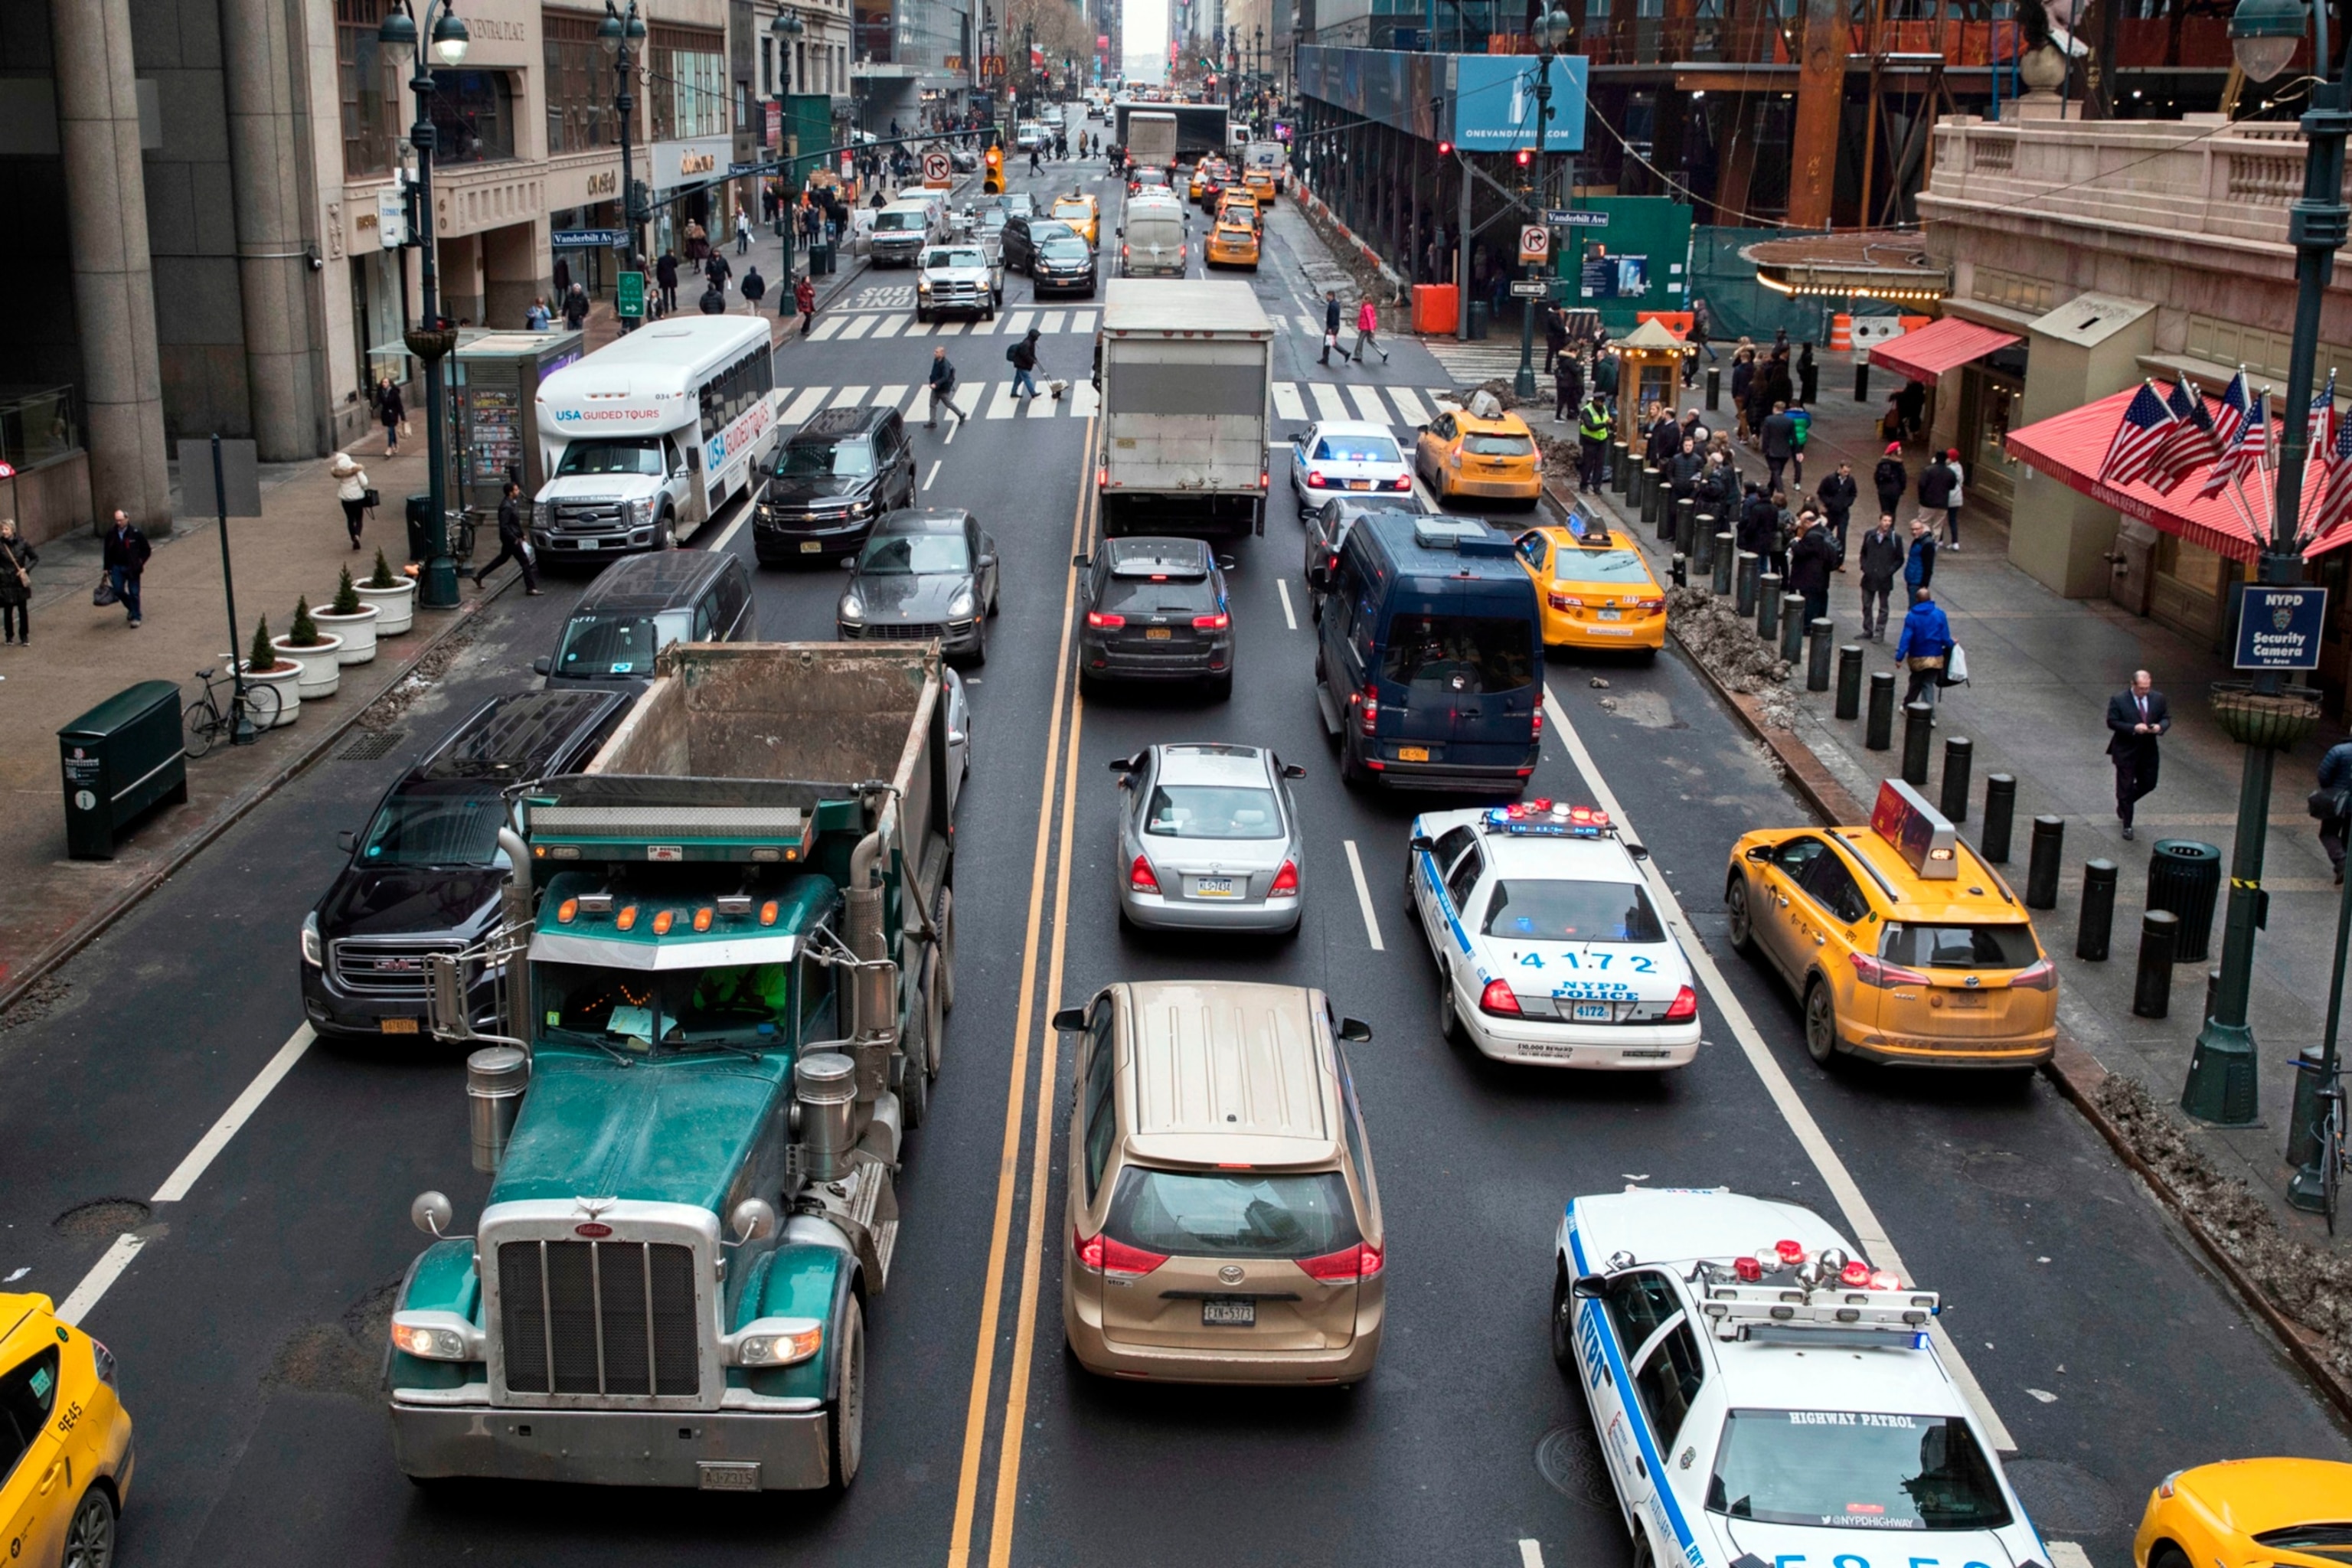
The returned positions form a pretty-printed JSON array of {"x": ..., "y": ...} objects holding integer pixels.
[{"x": 2279, "y": 628}]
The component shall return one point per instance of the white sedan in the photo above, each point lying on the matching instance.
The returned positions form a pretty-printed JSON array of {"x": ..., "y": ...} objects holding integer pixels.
[
  {"x": 1340, "y": 455},
  {"x": 1548, "y": 950}
]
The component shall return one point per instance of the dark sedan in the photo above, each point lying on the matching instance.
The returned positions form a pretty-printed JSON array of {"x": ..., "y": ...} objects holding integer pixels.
[
  {"x": 1156, "y": 610},
  {"x": 923, "y": 575},
  {"x": 1061, "y": 262}
]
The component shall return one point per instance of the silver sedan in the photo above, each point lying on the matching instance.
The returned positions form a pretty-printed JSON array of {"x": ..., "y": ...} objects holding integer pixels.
[{"x": 1209, "y": 839}]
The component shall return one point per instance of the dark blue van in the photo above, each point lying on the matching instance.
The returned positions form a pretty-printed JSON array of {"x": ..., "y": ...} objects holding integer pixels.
[{"x": 1429, "y": 663}]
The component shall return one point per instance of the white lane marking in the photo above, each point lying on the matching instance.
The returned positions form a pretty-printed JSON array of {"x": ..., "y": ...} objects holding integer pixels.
[
  {"x": 1044, "y": 406},
  {"x": 933, "y": 474},
  {"x": 1311, "y": 325},
  {"x": 858, "y": 326},
  {"x": 1001, "y": 406},
  {"x": 175, "y": 1186},
  {"x": 826, "y": 328},
  {"x": 1050, "y": 322},
  {"x": 890, "y": 326},
  {"x": 1363, "y": 895},
  {"x": 101, "y": 1278},
  {"x": 889, "y": 396},
  {"x": 1530, "y": 1553},
  {"x": 1443, "y": 399},
  {"x": 810, "y": 399},
  {"x": 1288, "y": 404},
  {"x": 1409, "y": 406},
  {"x": 952, "y": 329},
  {"x": 955, "y": 423},
  {"x": 1860, "y": 1219},
  {"x": 1084, "y": 401},
  {"x": 1016, "y": 322},
  {"x": 2066, "y": 1554},
  {"x": 726, "y": 536},
  {"x": 1369, "y": 403},
  {"x": 1282, "y": 586},
  {"x": 851, "y": 397},
  {"x": 1082, "y": 320},
  {"x": 1327, "y": 401}
]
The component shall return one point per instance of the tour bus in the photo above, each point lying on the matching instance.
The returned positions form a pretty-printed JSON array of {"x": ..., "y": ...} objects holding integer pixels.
[{"x": 647, "y": 438}]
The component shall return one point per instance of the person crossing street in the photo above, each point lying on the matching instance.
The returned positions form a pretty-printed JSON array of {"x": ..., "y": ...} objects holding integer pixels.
[
  {"x": 1367, "y": 321},
  {"x": 943, "y": 385},
  {"x": 804, "y": 301},
  {"x": 1024, "y": 356},
  {"x": 1330, "y": 324},
  {"x": 514, "y": 541}
]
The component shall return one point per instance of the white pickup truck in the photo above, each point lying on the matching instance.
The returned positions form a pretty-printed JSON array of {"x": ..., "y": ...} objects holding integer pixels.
[{"x": 957, "y": 279}]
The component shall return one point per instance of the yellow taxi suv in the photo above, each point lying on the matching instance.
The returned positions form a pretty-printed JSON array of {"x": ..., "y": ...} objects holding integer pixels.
[
  {"x": 2290, "y": 1513},
  {"x": 1083, "y": 214},
  {"x": 1259, "y": 183},
  {"x": 1902, "y": 944},
  {"x": 1238, "y": 204},
  {"x": 1596, "y": 589},
  {"x": 1459, "y": 454},
  {"x": 1233, "y": 243},
  {"x": 64, "y": 1441}
]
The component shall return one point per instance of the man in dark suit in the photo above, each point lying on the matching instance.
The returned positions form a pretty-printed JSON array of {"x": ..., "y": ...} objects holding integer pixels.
[{"x": 2137, "y": 719}]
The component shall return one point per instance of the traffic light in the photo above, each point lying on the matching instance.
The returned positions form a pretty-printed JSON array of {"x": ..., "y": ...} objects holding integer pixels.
[
  {"x": 1446, "y": 149},
  {"x": 1524, "y": 157}
]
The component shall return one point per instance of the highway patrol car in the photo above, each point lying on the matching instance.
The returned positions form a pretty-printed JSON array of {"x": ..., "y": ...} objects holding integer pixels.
[
  {"x": 1765, "y": 1398},
  {"x": 1548, "y": 949}
]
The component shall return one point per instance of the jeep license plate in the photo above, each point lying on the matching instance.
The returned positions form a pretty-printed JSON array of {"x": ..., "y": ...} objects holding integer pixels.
[
  {"x": 1218, "y": 1312},
  {"x": 728, "y": 1475},
  {"x": 810, "y": 547},
  {"x": 1158, "y": 633},
  {"x": 396, "y": 1025}
]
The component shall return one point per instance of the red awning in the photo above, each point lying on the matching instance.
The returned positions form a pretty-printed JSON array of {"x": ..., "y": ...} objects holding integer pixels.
[
  {"x": 1938, "y": 347},
  {"x": 2069, "y": 447}
]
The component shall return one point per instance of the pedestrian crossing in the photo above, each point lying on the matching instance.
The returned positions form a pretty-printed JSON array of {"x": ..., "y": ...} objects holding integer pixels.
[
  {"x": 849, "y": 326},
  {"x": 1296, "y": 403},
  {"x": 1471, "y": 363}
]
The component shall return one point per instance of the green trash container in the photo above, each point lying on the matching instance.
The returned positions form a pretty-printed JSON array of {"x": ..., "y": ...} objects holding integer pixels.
[
  {"x": 120, "y": 758},
  {"x": 2184, "y": 876}
]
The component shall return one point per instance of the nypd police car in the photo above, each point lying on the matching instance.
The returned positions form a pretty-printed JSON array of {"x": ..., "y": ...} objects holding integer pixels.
[
  {"x": 1765, "y": 1398},
  {"x": 1548, "y": 949}
]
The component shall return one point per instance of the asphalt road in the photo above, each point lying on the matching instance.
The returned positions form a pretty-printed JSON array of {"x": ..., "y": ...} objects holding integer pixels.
[{"x": 250, "y": 1323}]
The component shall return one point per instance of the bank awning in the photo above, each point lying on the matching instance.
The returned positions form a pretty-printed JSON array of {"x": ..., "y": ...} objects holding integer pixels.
[
  {"x": 1939, "y": 346},
  {"x": 2069, "y": 447}
]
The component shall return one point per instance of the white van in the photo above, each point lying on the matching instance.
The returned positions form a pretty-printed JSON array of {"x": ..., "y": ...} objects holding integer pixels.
[
  {"x": 902, "y": 229},
  {"x": 648, "y": 438},
  {"x": 1152, "y": 240}
]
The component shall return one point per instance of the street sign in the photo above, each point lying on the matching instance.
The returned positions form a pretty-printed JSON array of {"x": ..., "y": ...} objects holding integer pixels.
[
  {"x": 1529, "y": 288},
  {"x": 239, "y": 494},
  {"x": 1576, "y": 217},
  {"x": 937, "y": 170},
  {"x": 629, "y": 296},
  {"x": 2279, "y": 628},
  {"x": 1535, "y": 243},
  {"x": 588, "y": 238},
  {"x": 391, "y": 219}
]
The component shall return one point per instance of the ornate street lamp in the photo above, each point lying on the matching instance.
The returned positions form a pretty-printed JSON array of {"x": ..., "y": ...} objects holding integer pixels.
[
  {"x": 1550, "y": 30},
  {"x": 621, "y": 34},
  {"x": 787, "y": 27},
  {"x": 430, "y": 341}
]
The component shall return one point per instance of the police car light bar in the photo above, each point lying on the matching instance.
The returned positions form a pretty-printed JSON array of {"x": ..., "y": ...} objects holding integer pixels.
[
  {"x": 1733, "y": 1309},
  {"x": 1544, "y": 819}
]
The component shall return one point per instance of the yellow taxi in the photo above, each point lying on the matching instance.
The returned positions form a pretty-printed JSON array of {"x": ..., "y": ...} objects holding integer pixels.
[
  {"x": 1233, "y": 243},
  {"x": 1259, "y": 183},
  {"x": 1903, "y": 945},
  {"x": 2287, "y": 1512},
  {"x": 64, "y": 1440},
  {"x": 1596, "y": 589},
  {"x": 1082, "y": 213},
  {"x": 1239, "y": 204},
  {"x": 1462, "y": 455},
  {"x": 1209, "y": 177}
]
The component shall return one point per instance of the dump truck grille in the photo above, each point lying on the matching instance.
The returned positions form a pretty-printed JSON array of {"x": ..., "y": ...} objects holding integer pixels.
[{"x": 599, "y": 1317}]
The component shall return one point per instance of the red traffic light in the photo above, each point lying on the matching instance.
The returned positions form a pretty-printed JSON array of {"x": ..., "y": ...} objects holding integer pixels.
[
  {"x": 1446, "y": 149},
  {"x": 1524, "y": 157}
]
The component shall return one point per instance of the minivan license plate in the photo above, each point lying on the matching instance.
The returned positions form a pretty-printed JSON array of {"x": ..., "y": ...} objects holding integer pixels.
[
  {"x": 1222, "y": 1313},
  {"x": 1413, "y": 753}
]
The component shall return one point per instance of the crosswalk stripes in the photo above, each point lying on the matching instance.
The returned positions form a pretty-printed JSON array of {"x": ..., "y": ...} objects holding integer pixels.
[
  {"x": 1051, "y": 322},
  {"x": 1400, "y": 407},
  {"x": 1084, "y": 401},
  {"x": 1409, "y": 406},
  {"x": 1369, "y": 403},
  {"x": 1002, "y": 406},
  {"x": 1288, "y": 404},
  {"x": 891, "y": 326},
  {"x": 891, "y": 397},
  {"x": 851, "y": 397},
  {"x": 1329, "y": 404},
  {"x": 811, "y": 398},
  {"x": 1016, "y": 324},
  {"x": 826, "y": 328},
  {"x": 859, "y": 326}
]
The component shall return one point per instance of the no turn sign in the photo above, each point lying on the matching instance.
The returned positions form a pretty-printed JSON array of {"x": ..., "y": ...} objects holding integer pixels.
[
  {"x": 935, "y": 170},
  {"x": 1535, "y": 243}
]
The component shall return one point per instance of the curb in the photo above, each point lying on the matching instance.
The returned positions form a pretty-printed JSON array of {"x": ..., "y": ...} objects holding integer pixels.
[
  {"x": 2074, "y": 1071},
  {"x": 90, "y": 927}
]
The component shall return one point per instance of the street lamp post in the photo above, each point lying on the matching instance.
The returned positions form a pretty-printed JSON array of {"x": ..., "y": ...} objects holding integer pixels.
[
  {"x": 430, "y": 342},
  {"x": 787, "y": 27},
  {"x": 620, "y": 33},
  {"x": 1550, "y": 30},
  {"x": 2263, "y": 36}
]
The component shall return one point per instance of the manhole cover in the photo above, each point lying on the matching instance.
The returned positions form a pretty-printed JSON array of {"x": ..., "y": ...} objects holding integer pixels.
[
  {"x": 2011, "y": 1175},
  {"x": 1570, "y": 1461},
  {"x": 2065, "y": 1499},
  {"x": 370, "y": 744},
  {"x": 102, "y": 1219}
]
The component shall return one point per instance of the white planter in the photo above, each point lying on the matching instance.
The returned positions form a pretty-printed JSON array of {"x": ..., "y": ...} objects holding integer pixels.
[
  {"x": 396, "y": 606},
  {"x": 289, "y": 692},
  {"x": 322, "y": 668},
  {"x": 358, "y": 632}
]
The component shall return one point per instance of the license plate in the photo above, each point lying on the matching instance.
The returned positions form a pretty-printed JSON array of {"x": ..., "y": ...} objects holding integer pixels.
[
  {"x": 1964, "y": 999},
  {"x": 588, "y": 544},
  {"x": 1413, "y": 753},
  {"x": 1158, "y": 633},
  {"x": 1212, "y": 887},
  {"x": 1228, "y": 1314},
  {"x": 729, "y": 1475},
  {"x": 1599, "y": 1012},
  {"x": 1610, "y": 615},
  {"x": 1359, "y": 484},
  {"x": 396, "y": 1025},
  {"x": 810, "y": 546}
]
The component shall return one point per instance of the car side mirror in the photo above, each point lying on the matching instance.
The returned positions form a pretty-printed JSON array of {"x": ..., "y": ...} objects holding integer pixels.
[
  {"x": 1587, "y": 1287},
  {"x": 1082, "y": 560},
  {"x": 540, "y": 666},
  {"x": 1637, "y": 851},
  {"x": 1758, "y": 854},
  {"x": 347, "y": 841},
  {"x": 1422, "y": 844},
  {"x": 1226, "y": 564},
  {"x": 849, "y": 563},
  {"x": 1069, "y": 1020},
  {"x": 1355, "y": 1031},
  {"x": 1293, "y": 771}
]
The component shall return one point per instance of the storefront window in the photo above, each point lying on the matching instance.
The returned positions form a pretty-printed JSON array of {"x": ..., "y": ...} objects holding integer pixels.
[
  {"x": 473, "y": 111},
  {"x": 581, "y": 86},
  {"x": 688, "y": 86},
  {"x": 368, "y": 81},
  {"x": 376, "y": 317}
]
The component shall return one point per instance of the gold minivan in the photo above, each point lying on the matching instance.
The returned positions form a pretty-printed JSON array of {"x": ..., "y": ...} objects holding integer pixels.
[{"x": 1222, "y": 1223}]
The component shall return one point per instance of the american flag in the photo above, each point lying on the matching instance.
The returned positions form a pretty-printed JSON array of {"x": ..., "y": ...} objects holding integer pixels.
[
  {"x": 2245, "y": 448},
  {"x": 2139, "y": 436},
  {"x": 2321, "y": 432},
  {"x": 2188, "y": 446},
  {"x": 2232, "y": 417},
  {"x": 2334, "y": 486}
]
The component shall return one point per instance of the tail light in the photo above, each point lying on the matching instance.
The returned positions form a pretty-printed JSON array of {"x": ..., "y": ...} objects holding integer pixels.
[
  {"x": 1105, "y": 621},
  {"x": 1102, "y": 475},
  {"x": 1286, "y": 881},
  {"x": 1361, "y": 1261},
  {"x": 1402, "y": 482},
  {"x": 1140, "y": 876},
  {"x": 1535, "y": 716},
  {"x": 1685, "y": 1007},
  {"x": 1878, "y": 972},
  {"x": 2040, "y": 976},
  {"x": 1499, "y": 1000},
  {"x": 1650, "y": 606},
  {"x": 1261, "y": 480},
  {"x": 1122, "y": 253},
  {"x": 1316, "y": 482},
  {"x": 1563, "y": 602},
  {"x": 1215, "y": 623},
  {"x": 1368, "y": 706},
  {"x": 1103, "y": 1252}
]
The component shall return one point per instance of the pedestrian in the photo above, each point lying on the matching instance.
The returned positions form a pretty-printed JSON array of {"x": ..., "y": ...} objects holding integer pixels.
[
  {"x": 943, "y": 385},
  {"x": 1604, "y": 369},
  {"x": 755, "y": 287},
  {"x": 1023, "y": 356},
  {"x": 1809, "y": 376},
  {"x": 1836, "y": 495},
  {"x": 1881, "y": 561},
  {"x": 1952, "y": 502},
  {"x": 1702, "y": 325},
  {"x": 1800, "y": 431},
  {"x": 575, "y": 308},
  {"x": 1911, "y": 406},
  {"x": 1935, "y": 486},
  {"x": 514, "y": 541},
  {"x": 1809, "y": 561},
  {"x": 1784, "y": 527},
  {"x": 1719, "y": 492},
  {"x": 538, "y": 318},
  {"x": 393, "y": 413},
  {"x": 718, "y": 270},
  {"x": 1778, "y": 438},
  {"x": 1924, "y": 649},
  {"x": 1567, "y": 387},
  {"x": 2136, "y": 720},
  {"x": 2331, "y": 802},
  {"x": 125, "y": 561},
  {"x": 742, "y": 230},
  {"x": 1555, "y": 337},
  {"x": 665, "y": 275},
  {"x": 1682, "y": 472},
  {"x": 1367, "y": 322},
  {"x": 1891, "y": 478},
  {"x": 1919, "y": 560},
  {"x": 804, "y": 301},
  {"x": 1330, "y": 324},
  {"x": 714, "y": 300},
  {"x": 351, "y": 489},
  {"x": 1665, "y": 437},
  {"x": 1743, "y": 373},
  {"x": 1759, "y": 524},
  {"x": 1592, "y": 432},
  {"x": 563, "y": 276},
  {"x": 17, "y": 559}
]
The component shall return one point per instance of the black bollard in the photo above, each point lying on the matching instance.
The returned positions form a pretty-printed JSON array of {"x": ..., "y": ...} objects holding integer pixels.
[
  {"x": 1767, "y": 607},
  {"x": 1677, "y": 570},
  {"x": 1704, "y": 545},
  {"x": 1957, "y": 752},
  {"x": 2041, "y": 862},
  {"x": 1918, "y": 729},
  {"x": 1686, "y": 525},
  {"x": 1726, "y": 556},
  {"x": 2159, "y": 929},
  {"x": 1817, "y": 660},
  {"x": 2001, "y": 805},
  {"x": 1878, "y": 735},
  {"x": 1792, "y": 627},
  {"x": 1849, "y": 697},
  {"x": 2098, "y": 922},
  {"x": 1744, "y": 606},
  {"x": 1621, "y": 459},
  {"x": 1654, "y": 495},
  {"x": 1713, "y": 388},
  {"x": 1860, "y": 379}
]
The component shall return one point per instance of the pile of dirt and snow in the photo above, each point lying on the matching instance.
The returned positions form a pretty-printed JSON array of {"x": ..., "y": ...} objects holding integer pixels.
[
  {"x": 2312, "y": 1287},
  {"x": 1725, "y": 642}
]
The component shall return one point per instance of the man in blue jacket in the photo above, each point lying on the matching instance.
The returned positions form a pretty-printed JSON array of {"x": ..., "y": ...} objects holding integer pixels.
[
  {"x": 1925, "y": 647},
  {"x": 1919, "y": 566}
]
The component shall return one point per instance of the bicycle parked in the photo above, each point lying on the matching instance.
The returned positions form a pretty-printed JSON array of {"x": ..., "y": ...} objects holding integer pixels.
[
  {"x": 206, "y": 721},
  {"x": 2333, "y": 1159}
]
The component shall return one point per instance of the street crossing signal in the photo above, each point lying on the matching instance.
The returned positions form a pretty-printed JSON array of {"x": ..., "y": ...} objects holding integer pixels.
[{"x": 1524, "y": 157}]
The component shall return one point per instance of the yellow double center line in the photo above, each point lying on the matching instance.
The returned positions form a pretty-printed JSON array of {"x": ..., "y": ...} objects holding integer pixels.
[{"x": 1062, "y": 754}]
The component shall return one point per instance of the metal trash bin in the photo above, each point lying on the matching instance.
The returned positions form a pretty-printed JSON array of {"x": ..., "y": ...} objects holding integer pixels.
[
  {"x": 820, "y": 260},
  {"x": 2184, "y": 876},
  {"x": 1480, "y": 314},
  {"x": 120, "y": 758},
  {"x": 420, "y": 527}
]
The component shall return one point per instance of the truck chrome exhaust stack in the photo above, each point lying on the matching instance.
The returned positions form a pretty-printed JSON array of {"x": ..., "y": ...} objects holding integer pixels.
[
  {"x": 495, "y": 1077},
  {"x": 825, "y": 1083}
]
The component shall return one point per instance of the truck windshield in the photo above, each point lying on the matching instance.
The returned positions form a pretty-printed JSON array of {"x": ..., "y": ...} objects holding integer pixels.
[
  {"x": 642, "y": 456},
  {"x": 727, "y": 1006},
  {"x": 618, "y": 644},
  {"x": 898, "y": 222},
  {"x": 1855, "y": 1472},
  {"x": 1459, "y": 653},
  {"x": 954, "y": 258},
  {"x": 431, "y": 829}
]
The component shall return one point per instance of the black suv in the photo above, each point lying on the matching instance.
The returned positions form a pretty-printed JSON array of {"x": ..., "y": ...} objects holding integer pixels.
[
  {"x": 1059, "y": 261},
  {"x": 839, "y": 471},
  {"x": 1156, "y": 609},
  {"x": 639, "y": 606},
  {"x": 426, "y": 874}
]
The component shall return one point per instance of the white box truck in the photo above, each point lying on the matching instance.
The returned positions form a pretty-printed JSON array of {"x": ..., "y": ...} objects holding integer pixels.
[
  {"x": 1151, "y": 138},
  {"x": 1186, "y": 375}
]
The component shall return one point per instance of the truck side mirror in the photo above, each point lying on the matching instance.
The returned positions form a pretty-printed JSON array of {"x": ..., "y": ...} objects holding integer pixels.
[
  {"x": 540, "y": 666},
  {"x": 347, "y": 841},
  {"x": 1355, "y": 1031},
  {"x": 752, "y": 1220},
  {"x": 1069, "y": 1020},
  {"x": 431, "y": 1214}
]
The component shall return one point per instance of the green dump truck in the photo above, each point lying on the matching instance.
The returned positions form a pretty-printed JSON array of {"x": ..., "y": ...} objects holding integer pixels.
[{"x": 727, "y": 954}]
